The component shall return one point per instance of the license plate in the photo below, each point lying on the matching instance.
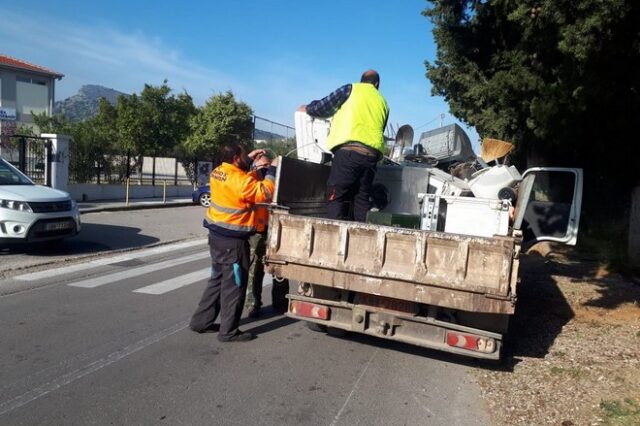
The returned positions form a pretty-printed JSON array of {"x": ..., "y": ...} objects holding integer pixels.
[
  {"x": 388, "y": 303},
  {"x": 57, "y": 226}
]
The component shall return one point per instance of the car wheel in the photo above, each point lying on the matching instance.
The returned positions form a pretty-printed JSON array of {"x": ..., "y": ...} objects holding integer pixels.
[{"x": 205, "y": 199}]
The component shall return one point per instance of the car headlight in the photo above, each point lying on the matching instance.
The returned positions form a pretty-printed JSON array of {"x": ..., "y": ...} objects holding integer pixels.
[{"x": 16, "y": 205}]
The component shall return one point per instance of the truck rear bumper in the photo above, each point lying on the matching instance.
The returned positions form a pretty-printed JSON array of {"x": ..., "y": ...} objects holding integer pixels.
[{"x": 399, "y": 326}]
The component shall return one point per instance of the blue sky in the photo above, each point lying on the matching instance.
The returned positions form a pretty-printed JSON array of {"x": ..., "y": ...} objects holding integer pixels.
[{"x": 274, "y": 55}]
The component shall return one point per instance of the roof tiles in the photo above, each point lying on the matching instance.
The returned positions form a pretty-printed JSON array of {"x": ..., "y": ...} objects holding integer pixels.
[{"x": 17, "y": 63}]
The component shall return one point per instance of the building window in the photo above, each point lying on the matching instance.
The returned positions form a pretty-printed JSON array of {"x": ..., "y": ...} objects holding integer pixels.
[{"x": 32, "y": 96}]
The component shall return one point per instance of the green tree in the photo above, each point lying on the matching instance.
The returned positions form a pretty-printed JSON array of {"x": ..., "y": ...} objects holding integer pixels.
[
  {"x": 153, "y": 123},
  {"x": 221, "y": 120},
  {"x": 87, "y": 148},
  {"x": 560, "y": 78}
]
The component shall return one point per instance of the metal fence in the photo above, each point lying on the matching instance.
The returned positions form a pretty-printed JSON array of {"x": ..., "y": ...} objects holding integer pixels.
[
  {"x": 30, "y": 155},
  {"x": 265, "y": 130},
  {"x": 116, "y": 168}
]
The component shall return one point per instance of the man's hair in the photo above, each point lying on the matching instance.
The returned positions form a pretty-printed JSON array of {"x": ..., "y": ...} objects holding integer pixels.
[
  {"x": 370, "y": 76},
  {"x": 229, "y": 151}
]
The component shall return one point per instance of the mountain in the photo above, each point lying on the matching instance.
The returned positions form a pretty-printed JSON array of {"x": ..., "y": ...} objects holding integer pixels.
[{"x": 84, "y": 104}]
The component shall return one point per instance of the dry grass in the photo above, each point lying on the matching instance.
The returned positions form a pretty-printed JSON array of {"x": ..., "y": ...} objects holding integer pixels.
[{"x": 574, "y": 354}]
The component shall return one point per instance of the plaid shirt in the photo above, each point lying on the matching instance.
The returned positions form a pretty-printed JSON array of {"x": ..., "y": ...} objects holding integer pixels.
[{"x": 329, "y": 105}]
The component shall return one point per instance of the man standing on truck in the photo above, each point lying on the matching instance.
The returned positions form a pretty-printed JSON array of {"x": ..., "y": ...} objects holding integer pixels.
[
  {"x": 356, "y": 139},
  {"x": 231, "y": 220},
  {"x": 258, "y": 243}
]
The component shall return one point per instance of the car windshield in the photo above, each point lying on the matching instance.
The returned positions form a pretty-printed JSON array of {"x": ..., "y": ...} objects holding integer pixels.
[{"x": 9, "y": 175}]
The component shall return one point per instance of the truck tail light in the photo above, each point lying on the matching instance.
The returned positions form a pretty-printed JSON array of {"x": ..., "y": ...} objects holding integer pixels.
[
  {"x": 471, "y": 342},
  {"x": 309, "y": 310}
]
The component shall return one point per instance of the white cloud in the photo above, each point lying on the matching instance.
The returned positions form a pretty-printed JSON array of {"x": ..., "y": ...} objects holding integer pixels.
[
  {"x": 103, "y": 55},
  {"x": 91, "y": 53}
]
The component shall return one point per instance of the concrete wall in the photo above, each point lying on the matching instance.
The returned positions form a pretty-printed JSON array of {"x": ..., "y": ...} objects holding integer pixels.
[
  {"x": 92, "y": 192},
  {"x": 634, "y": 228}
]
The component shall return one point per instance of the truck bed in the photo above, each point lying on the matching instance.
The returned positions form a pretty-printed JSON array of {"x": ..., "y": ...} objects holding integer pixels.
[{"x": 472, "y": 274}]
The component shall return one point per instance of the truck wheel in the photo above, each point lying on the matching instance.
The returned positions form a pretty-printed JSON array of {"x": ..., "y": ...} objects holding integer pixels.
[{"x": 316, "y": 327}]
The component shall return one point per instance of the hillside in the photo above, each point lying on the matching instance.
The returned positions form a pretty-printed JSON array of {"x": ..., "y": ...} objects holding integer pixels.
[{"x": 84, "y": 104}]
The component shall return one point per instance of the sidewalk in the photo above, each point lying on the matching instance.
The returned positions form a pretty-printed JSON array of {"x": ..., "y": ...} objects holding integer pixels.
[{"x": 137, "y": 204}]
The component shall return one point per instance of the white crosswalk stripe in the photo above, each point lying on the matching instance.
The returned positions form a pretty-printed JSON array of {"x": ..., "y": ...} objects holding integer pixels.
[
  {"x": 134, "y": 272},
  {"x": 175, "y": 283},
  {"x": 100, "y": 277},
  {"x": 49, "y": 273}
]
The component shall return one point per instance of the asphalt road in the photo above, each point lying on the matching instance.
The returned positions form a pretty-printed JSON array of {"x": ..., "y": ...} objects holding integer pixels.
[
  {"x": 103, "y": 232},
  {"x": 105, "y": 341}
]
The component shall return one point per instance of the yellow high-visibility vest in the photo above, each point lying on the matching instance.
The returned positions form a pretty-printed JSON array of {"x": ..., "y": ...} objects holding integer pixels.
[{"x": 360, "y": 119}]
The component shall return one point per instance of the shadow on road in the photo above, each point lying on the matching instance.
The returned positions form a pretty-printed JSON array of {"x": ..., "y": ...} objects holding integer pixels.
[
  {"x": 277, "y": 321},
  {"x": 93, "y": 238}
]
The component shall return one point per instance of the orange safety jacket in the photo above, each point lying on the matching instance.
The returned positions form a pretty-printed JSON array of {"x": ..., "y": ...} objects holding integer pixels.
[
  {"x": 261, "y": 218},
  {"x": 234, "y": 193}
]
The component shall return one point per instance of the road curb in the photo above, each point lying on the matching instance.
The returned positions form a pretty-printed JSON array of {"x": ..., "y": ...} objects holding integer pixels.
[{"x": 136, "y": 206}]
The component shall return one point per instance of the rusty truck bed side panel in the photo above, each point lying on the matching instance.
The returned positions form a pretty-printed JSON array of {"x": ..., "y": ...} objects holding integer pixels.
[{"x": 455, "y": 271}]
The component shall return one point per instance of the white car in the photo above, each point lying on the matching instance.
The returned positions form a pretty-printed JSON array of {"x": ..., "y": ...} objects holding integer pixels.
[{"x": 30, "y": 212}]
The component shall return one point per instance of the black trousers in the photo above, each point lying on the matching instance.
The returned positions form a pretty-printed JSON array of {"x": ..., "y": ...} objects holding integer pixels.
[
  {"x": 225, "y": 291},
  {"x": 349, "y": 185}
]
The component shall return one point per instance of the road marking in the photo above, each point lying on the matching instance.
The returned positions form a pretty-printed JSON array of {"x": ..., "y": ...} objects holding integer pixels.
[
  {"x": 108, "y": 261},
  {"x": 355, "y": 386},
  {"x": 89, "y": 368},
  {"x": 175, "y": 283},
  {"x": 134, "y": 272}
]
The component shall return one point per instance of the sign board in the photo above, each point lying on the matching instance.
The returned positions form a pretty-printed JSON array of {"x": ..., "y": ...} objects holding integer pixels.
[{"x": 8, "y": 114}]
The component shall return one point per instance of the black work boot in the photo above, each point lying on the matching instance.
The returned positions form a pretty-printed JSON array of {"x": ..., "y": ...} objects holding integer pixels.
[{"x": 240, "y": 336}]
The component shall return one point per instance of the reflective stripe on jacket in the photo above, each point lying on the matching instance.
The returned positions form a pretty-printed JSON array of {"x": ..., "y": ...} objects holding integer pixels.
[
  {"x": 234, "y": 194},
  {"x": 361, "y": 118}
]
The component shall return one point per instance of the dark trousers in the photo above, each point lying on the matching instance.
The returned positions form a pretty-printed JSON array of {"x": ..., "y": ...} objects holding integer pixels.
[
  {"x": 279, "y": 288},
  {"x": 256, "y": 270},
  {"x": 225, "y": 291},
  {"x": 349, "y": 185}
]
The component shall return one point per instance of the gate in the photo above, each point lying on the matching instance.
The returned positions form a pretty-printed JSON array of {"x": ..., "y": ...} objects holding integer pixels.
[{"x": 34, "y": 158}]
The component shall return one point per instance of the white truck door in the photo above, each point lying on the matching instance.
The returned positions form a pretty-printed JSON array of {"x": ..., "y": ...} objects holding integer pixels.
[{"x": 548, "y": 206}]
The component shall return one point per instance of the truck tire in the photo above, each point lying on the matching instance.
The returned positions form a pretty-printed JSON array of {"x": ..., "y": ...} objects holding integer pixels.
[{"x": 316, "y": 327}]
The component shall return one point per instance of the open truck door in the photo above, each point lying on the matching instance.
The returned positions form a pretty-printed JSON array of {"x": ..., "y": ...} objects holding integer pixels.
[{"x": 548, "y": 206}]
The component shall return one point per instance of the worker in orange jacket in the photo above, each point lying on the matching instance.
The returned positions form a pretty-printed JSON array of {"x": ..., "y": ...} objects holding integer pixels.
[
  {"x": 258, "y": 244},
  {"x": 231, "y": 220}
]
